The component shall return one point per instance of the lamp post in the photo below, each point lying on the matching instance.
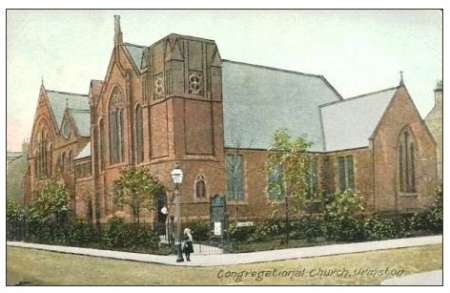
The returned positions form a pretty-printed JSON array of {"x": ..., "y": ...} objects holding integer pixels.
[{"x": 177, "y": 178}]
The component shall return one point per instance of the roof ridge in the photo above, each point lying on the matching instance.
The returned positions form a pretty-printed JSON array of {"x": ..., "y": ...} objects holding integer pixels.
[
  {"x": 130, "y": 44},
  {"x": 67, "y": 93},
  {"x": 274, "y": 68},
  {"x": 374, "y": 92},
  {"x": 359, "y": 96}
]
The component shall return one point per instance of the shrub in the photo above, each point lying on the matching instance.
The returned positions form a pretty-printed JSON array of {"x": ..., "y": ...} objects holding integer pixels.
[
  {"x": 340, "y": 219},
  {"x": 240, "y": 234},
  {"x": 436, "y": 216},
  {"x": 15, "y": 218},
  {"x": 377, "y": 228},
  {"x": 118, "y": 234},
  {"x": 201, "y": 231},
  {"x": 309, "y": 228},
  {"x": 261, "y": 232},
  {"x": 344, "y": 205},
  {"x": 81, "y": 233},
  {"x": 435, "y": 220},
  {"x": 115, "y": 234}
]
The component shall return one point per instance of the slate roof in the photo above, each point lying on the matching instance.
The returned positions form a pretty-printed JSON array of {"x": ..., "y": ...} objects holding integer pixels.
[
  {"x": 258, "y": 100},
  {"x": 82, "y": 119},
  {"x": 350, "y": 123},
  {"x": 59, "y": 101},
  {"x": 136, "y": 52},
  {"x": 85, "y": 152}
]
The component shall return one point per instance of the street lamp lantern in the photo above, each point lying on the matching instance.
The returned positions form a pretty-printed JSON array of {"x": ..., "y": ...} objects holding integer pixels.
[
  {"x": 177, "y": 178},
  {"x": 177, "y": 175}
]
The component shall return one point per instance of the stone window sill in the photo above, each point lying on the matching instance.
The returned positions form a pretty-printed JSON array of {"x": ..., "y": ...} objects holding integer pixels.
[{"x": 408, "y": 194}]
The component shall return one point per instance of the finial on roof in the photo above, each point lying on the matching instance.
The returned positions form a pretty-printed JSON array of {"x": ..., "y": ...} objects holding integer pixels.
[
  {"x": 438, "y": 85},
  {"x": 67, "y": 102},
  {"x": 118, "y": 39},
  {"x": 42, "y": 80},
  {"x": 401, "y": 78}
]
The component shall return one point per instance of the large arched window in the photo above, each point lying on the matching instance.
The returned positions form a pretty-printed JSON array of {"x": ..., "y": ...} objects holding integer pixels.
[
  {"x": 41, "y": 156},
  {"x": 139, "y": 135},
  {"x": 407, "y": 162},
  {"x": 116, "y": 112}
]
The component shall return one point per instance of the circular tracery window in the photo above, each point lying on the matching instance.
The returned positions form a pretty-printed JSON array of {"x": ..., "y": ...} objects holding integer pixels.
[{"x": 195, "y": 83}]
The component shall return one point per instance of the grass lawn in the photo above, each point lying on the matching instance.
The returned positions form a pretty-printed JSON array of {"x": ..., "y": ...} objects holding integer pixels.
[{"x": 35, "y": 267}]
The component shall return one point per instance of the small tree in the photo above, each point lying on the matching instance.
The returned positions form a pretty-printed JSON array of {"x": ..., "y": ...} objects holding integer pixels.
[
  {"x": 14, "y": 211},
  {"x": 51, "y": 202},
  {"x": 136, "y": 189},
  {"x": 340, "y": 215},
  {"x": 289, "y": 159},
  {"x": 344, "y": 205}
]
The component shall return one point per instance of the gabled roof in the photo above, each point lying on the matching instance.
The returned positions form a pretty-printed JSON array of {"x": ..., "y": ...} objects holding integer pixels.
[
  {"x": 59, "y": 101},
  {"x": 82, "y": 119},
  {"x": 85, "y": 152},
  {"x": 259, "y": 100},
  {"x": 136, "y": 53},
  {"x": 349, "y": 123}
]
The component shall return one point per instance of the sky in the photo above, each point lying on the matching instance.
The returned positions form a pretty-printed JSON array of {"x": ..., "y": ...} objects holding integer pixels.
[{"x": 358, "y": 51}]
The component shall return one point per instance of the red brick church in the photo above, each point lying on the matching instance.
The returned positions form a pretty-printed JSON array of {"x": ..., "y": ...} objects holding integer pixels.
[{"x": 177, "y": 100}]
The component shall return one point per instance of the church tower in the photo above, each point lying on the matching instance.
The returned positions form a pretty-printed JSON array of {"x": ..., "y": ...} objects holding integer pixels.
[{"x": 183, "y": 86}]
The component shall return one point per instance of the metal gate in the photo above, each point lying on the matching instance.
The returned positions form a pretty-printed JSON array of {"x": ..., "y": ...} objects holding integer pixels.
[
  {"x": 218, "y": 214},
  {"x": 160, "y": 218}
]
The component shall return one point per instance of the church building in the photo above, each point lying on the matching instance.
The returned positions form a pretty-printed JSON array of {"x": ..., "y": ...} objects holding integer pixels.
[{"x": 178, "y": 101}]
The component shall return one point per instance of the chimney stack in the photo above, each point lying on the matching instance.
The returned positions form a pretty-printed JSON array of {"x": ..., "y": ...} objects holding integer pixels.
[
  {"x": 438, "y": 94},
  {"x": 118, "y": 40}
]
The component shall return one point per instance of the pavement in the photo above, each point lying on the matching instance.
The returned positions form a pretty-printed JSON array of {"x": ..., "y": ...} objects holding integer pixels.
[
  {"x": 433, "y": 278},
  {"x": 241, "y": 258}
]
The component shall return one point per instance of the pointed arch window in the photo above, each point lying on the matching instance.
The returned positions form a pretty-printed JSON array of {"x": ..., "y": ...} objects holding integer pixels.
[
  {"x": 63, "y": 162},
  {"x": 49, "y": 160},
  {"x": 69, "y": 161},
  {"x": 116, "y": 112},
  {"x": 139, "y": 134},
  {"x": 36, "y": 164},
  {"x": 101, "y": 141},
  {"x": 42, "y": 155},
  {"x": 200, "y": 187},
  {"x": 407, "y": 162}
]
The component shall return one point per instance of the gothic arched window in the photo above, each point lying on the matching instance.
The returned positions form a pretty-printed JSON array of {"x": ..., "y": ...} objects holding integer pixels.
[
  {"x": 101, "y": 142},
  {"x": 69, "y": 161},
  {"x": 49, "y": 160},
  {"x": 116, "y": 112},
  {"x": 139, "y": 134},
  {"x": 63, "y": 162},
  {"x": 200, "y": 187},
  {"x": 407, "y": 162},
  {"x": 36, "y": 164},
  {"x": 41, "y": 157}
]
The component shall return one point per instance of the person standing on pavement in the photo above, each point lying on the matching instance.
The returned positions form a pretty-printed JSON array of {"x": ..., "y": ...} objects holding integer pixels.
[{"x": 188, "y": 248}]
